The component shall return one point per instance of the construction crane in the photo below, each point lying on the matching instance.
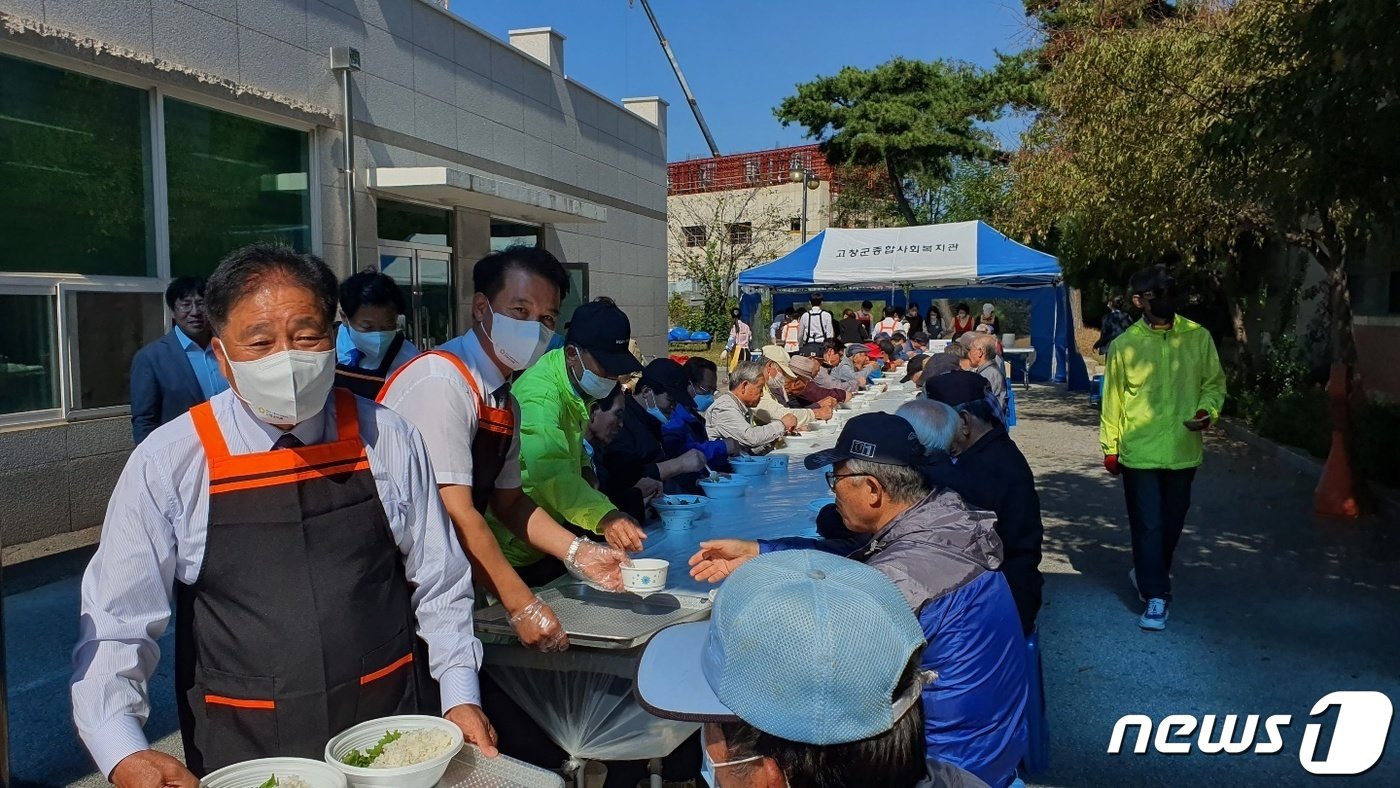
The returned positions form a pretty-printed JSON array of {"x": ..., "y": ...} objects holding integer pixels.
[{"x": 676, "y": 67}]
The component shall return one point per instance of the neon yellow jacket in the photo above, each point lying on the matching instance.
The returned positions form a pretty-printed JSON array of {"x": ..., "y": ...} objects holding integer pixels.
[
  {"x": 1156, "y": 380},
  {"x": 553, "y": 421}
]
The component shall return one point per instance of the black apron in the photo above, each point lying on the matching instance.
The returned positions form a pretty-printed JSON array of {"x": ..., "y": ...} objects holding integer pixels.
[
  {"x": 300, "y": 624},
  {"x": 368, "y": 382}
]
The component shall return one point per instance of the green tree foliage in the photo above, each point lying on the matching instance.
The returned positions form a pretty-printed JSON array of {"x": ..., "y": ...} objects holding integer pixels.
[{"x": 911, "y": 119}]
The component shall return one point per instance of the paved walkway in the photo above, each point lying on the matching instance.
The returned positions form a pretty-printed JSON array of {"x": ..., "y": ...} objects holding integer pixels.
[{"x": 1274, "y": 610}]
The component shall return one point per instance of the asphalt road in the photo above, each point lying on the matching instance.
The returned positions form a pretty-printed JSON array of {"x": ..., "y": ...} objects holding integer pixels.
[{"x": 1274, "y": 609}]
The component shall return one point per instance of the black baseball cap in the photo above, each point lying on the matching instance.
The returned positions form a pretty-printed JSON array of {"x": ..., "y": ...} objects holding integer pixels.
[
  {"x": 955, "y": 388},
  {"x": 666, "y": 375},
  {"x": 874, "y": 437},
  {"x": 604, "y": 330},
  {"x": 914, "y": 367}
]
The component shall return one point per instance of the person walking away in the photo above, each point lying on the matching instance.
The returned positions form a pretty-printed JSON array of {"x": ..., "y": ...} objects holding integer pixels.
[
  {"x": 736, "y": 348},
  {"x": 887, "y": 326},
  {"x": 368, "y": 344},
  {"x": 1114, "y": 324},
  {"x": 294, "y": 529},
  {"x": 178, "y": 371},
  {"x": 1163, "y": 387},
  {"x": 459, "y": 398},
  {"x": 816, "y": 324},
  {"x": 791, "y": 337},
  {"x": 850, "y": 329}
]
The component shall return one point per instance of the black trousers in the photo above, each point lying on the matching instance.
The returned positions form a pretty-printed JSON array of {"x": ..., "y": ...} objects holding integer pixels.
[{"x": 1157, "y": 503}]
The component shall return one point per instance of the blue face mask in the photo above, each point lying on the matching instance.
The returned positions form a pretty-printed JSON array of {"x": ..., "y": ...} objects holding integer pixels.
[
  {"x": 703, "y": 402},
  {"x": 658, "y": 415},
  {"x": 371, "y": 343}
]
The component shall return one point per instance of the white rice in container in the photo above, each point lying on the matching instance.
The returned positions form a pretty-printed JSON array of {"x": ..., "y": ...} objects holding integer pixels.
[
  {"x": 413, "y": 747},
  {"x": 291, "y": 781}
]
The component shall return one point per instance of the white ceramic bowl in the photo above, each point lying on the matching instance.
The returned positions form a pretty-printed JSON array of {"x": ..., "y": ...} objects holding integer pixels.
[
  {"x": 724, "y": 487},
  {"x": 682, "y": 503},
  {"x": 362, "y": 736},
  {"x": 252, "y": 774},
  {"x": 645, "y": 575}
]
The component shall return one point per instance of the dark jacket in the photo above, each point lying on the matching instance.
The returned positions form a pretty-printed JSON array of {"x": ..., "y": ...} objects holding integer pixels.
[
  {"x": 942, "y": 555},
  {"x": 852, "y": 330},
  {"x": 993, "y": 474},
  {"x": 811, "y": 394},
  {"x": 686, "y": 431},
  {"x": 163, "y": 385},
  {"x": 631, "y": 457}
]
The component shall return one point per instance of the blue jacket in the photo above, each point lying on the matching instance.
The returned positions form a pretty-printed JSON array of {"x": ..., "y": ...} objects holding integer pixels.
[
  {"x": 685, "y": 431},
  {"x": 163, "y": 385},
  {"x": 943, "y": 555}
]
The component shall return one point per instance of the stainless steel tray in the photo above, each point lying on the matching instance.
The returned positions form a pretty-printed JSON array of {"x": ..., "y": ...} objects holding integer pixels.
[
  {"x": 603, "y": 619},
  {"x": 471, "y": 770}
]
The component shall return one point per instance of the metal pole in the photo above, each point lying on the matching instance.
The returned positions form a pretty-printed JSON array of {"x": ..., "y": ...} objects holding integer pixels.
[
  {"x": 346, "y": 61},
  {"x": 685, "y": 88},
  {"x": 4, "y": 698},
  {"x": 349, "y": 139},
  {"x": 805, "y": 176}
]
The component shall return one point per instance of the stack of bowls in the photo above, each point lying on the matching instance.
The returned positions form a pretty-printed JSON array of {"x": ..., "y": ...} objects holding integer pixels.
[{"x": 679, "y": 512}]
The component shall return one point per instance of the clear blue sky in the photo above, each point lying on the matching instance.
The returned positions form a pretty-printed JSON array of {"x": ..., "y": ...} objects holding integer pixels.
[{"x": 742, "y": 57}]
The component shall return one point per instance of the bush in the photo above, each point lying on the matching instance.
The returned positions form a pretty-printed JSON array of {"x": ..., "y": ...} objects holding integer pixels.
[
  {"x": 1298, "y": 418},
  {"x": 681, "y": 313}
]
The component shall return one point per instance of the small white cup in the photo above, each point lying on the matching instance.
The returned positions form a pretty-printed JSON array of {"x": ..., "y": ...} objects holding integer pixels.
[{"x": 645, "y": 575}]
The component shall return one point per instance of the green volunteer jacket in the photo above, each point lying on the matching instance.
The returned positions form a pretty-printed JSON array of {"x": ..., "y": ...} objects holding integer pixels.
[
  {"x": 1156, "y": 380},
  {"x": 553, "y": 421}
]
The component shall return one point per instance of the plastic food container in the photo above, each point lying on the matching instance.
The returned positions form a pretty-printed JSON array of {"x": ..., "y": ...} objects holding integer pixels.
[
  {"x": 366, "y": 734},
  {"x": 777, "y": 462},
  {"x": 252, "y": 774},
  {"x": 645, "y": 575},
  {"x": 724, "y": 487},
  {"x": 750, "y": 466}
]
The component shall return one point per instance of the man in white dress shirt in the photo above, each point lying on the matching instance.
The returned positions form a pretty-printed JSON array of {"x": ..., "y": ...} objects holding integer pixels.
[{"x": 296, "y": 531}]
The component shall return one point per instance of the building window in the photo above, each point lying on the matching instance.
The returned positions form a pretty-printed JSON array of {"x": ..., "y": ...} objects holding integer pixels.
[
  {"x": 578, "y": 293},
  {"x": 750, "y": 172},
  {"x": 232, "y": 181},
  {"x": 105, "y": 329},
  {"x": 741, "y": 233},
  {"x": 506, "y": 233},
  {"x": 707, "y": 174},
  {"x": 28, "y": 353},
  {"x": 695, "y": 235},
  {"x": 795, "y": 224},
  {"x": 75, "y": 174}
]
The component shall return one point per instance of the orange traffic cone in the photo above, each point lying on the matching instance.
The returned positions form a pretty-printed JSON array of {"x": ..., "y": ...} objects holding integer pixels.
[{"x": 1336, "y": 490}]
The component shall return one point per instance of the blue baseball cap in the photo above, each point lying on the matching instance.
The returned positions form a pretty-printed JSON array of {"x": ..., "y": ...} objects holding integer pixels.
[{"x": 803, "y": 645}]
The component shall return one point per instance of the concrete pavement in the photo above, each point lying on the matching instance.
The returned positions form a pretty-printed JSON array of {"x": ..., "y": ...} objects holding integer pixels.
[{"x": 1273, "y": 611}]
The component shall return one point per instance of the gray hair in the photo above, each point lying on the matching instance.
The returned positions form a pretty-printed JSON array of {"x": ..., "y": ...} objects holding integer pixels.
[
  {"x": 985, "y": 343},
  {"x": 934, "y": 423},
  {"x": 904, "y": 484},
  {"x": 957, "y": 349},
  {"x": 753, "y": 371}
]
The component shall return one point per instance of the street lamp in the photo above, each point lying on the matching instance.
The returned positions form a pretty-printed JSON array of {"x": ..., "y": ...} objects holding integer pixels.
[{"x": 804, "y": 175}]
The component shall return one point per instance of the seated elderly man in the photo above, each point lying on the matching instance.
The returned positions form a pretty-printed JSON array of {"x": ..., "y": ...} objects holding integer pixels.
[
  {"x": 989, "y": 472},
  {"x": 731, "y": 416},
  {"x": 943, "y": 556},
  {"x": 855, "y": 723},
  {"x": 782, "y": 383},
  {"x": 982, "y": 358},
  {"x": 811, "y": 394},
  {"x": 832, "y": 374}
]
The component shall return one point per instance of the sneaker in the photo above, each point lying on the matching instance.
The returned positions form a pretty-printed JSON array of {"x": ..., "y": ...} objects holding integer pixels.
[
  {"x": 1155, "y": 616},
  {"x": 1132, "y": 578}
]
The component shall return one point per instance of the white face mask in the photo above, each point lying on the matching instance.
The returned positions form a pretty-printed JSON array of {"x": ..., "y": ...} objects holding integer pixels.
[
  {"x": 518, "y": 343},
  {"x": 287, "y": 387},
  {"x": 371, "y": 343},
  {"x": 592, "y": 384}
]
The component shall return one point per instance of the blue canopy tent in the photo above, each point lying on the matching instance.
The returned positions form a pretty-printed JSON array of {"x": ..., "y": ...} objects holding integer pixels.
[{"x": 961, "y": 260}]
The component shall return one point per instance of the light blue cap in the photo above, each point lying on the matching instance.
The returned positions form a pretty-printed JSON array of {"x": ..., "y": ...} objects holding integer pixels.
[{"x": 803, "y": 645}]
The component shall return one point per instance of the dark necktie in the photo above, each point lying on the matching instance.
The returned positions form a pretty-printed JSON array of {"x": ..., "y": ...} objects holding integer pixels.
[
  {"x": 288, "y": 441},
  {"x": 501, "y": 394}
]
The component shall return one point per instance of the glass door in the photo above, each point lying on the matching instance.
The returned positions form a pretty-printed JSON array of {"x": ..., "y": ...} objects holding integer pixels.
[{"x": 426, "y": 278}]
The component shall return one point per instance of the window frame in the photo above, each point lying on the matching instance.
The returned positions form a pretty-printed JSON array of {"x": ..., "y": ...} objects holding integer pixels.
[
  {"x": 56, "y": 285},
  {"x": 694, "y": 239},
  {"x": 70, "y": 358}
]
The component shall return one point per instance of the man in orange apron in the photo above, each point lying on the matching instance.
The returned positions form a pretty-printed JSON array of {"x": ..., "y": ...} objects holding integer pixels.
[
  {"x": 459, "y": 399},
  {"x": 296, "y": 530}
]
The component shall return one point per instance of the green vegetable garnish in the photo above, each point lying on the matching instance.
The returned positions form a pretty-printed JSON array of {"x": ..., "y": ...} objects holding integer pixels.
[
  {"x": 366, "y": 758},
  {"x": 271, "y": 782}
]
